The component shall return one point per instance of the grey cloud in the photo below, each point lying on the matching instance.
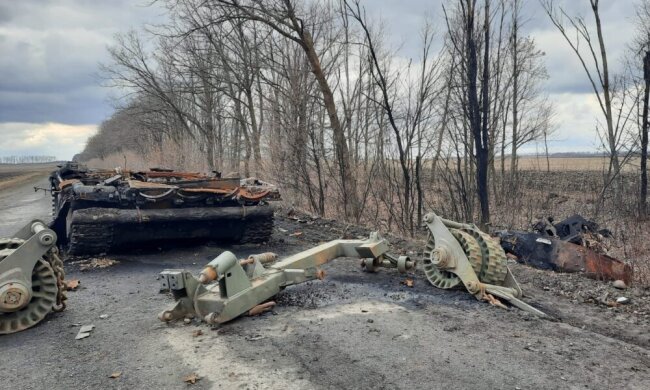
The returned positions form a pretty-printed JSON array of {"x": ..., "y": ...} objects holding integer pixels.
[
  {"x": 86, "y": 105},
  {"x": 5, "y": 14},
  {"x": 50, "y": 52}
]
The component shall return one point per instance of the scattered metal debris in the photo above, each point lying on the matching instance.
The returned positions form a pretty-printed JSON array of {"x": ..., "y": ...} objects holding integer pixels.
[
  {"x": 259, "y": 309},
  {"x": 192, "y": 378},
  {"x": 84, "y": 332},
  {"x": 72, "y": 284},
  {"x": 559, "y": 255},
  {"x": 571, "y": 229},
  {"x": 408, "y": 282},
  {"x": 97, "y": 263},
  {"x": 622, "y": 300},
  {"x": 228, "y": 287}
]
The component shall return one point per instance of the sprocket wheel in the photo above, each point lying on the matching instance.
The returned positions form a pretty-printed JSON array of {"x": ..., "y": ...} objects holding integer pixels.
[
  {"x": 437, "y": 277},
  {"x": 44, "y": 293}
]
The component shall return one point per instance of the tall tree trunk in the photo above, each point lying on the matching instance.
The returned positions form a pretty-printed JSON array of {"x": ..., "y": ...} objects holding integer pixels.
[
  {"x": 515, "y": 96},
  {"x": 351, "y": 206},
  {"x": 611, "y": 136},
  {"x": 644, "y": 137},
  {"x": 255, "y": 131},
  {"x": 479, "y": 128},
  {"x": 418, "y": 182}
]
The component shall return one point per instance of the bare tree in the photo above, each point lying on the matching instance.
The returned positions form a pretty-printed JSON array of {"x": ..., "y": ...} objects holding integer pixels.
[
  {"x": 282, "y": 16},
  {"x": 595, "y": 64},
  {"x": 405, "y": 120},
  {"x": 476, "y": 103},
  {"x": 641, "y": 48},
  {"x": 531, "y": 110}
]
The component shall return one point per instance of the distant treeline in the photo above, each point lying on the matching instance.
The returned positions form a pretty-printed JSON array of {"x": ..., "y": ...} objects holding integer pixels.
[{"x": 26, "y": 159}]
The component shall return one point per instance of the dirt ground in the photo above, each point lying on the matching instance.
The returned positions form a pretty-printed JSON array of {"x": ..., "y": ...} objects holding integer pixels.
[{"x": 352, "y": 330}]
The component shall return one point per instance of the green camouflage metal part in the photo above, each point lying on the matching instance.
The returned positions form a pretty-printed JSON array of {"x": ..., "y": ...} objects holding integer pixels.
[
  {"x": 31, "y": 277},
  {"x": 228, "y": 287},
  {"x": 447, "y": 263}
]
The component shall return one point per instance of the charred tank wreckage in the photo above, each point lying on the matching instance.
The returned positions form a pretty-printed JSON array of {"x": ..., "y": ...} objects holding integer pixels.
[{"x": 98, "y": 211}]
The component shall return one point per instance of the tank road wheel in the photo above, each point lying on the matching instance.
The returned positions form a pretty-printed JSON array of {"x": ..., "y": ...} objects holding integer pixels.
[
  {"x": 494, "y": 265},
  {"x": 471, "y": 248},
  {"x": 44, "y": 294},
  {"x": 437, "y": 277},
  {"x": 484, "y": 254}
]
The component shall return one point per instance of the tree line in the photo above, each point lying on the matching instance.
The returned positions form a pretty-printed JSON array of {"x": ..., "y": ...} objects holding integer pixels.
[
  {"x": 315, "y": 96},
  {"x": 26, "y": 159}
]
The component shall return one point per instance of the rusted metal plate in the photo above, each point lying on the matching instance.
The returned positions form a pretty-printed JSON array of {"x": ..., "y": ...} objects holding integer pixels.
[
  {"x": 148, "y": 185},
  {"x": 554, "y": 254},
  {"x": 65, "y": 183},
  {"x": 570, "y": 257},
  {"x": 215, "y": 183},
  {"x": 245, "y": 194},
  {"x": 211, "y": 191},
  {"x": 179, "y": 175}
]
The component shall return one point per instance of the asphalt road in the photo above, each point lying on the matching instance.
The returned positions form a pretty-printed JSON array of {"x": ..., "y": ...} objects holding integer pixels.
[{"x": 353, "y": 331}]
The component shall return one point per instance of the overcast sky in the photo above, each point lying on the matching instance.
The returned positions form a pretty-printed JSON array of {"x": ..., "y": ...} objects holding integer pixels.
[{"x": 51, "y": 101}]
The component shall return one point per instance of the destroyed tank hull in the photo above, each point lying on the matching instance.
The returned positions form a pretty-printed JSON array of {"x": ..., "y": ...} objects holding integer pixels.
[
  {"x": 103, "y": 211},
  {"x": 100, "y": 230}
]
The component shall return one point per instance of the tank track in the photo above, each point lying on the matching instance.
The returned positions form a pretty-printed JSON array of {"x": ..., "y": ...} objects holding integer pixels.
[
  {"x": 258, "y": 231},
  {"x": 87, "y": 239}
]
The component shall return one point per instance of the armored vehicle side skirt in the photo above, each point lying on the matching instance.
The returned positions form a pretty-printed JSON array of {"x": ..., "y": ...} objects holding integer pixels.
[{"x": 99, "y": 230}]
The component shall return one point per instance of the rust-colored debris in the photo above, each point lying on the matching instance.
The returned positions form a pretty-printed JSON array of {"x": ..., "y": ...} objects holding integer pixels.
[
  {"x": 261, "y": 308},
  {"x": 552, "y": 253},
  {"x": 575, "y": 258},
  {"x": 192, "y": 378},
  {"x": 98, "y": 263},
  {"x": 72, "y": 284}
]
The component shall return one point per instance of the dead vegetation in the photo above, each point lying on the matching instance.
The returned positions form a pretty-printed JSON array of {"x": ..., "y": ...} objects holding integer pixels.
[{"x": 313, "y": 97}]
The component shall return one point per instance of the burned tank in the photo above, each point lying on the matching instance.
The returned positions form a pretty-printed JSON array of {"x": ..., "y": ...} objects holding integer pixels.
[{"x": 98, "y": 211}]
